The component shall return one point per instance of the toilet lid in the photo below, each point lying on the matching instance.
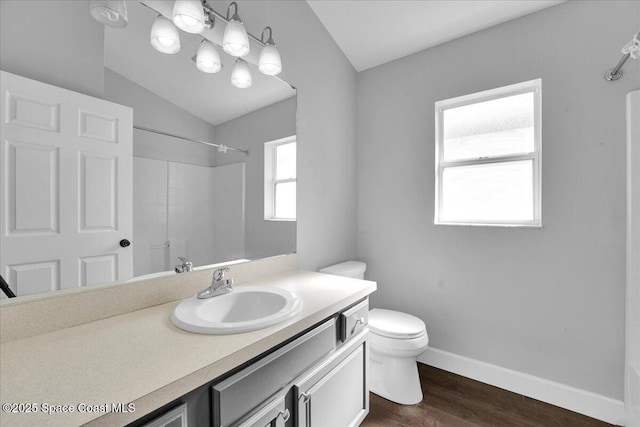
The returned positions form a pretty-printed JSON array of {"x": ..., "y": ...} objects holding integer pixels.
[{"x": 394, "y": 324}]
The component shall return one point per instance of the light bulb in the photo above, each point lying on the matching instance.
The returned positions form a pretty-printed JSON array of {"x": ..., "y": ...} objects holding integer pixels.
[
  {"x": 240, "y": 75},
  {"x": 207, "y": 58},
  {"x": 109, "y": 12},
  {"x": 270, "y": 63},
  {"x": 164, "y": 35},
  {"x": 188, "y": 15},
  {"x": 235, "y": 40}
]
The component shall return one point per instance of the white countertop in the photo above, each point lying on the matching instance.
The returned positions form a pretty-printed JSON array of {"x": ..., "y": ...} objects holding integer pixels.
[{"x": 141, "y": 358}]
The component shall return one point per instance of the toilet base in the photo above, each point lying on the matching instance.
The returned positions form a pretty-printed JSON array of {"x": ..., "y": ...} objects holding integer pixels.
[{"x": 395, "y": 378}]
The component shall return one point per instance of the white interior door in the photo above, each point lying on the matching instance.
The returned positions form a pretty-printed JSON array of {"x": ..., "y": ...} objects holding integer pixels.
[{"x": 65, "y": 189}]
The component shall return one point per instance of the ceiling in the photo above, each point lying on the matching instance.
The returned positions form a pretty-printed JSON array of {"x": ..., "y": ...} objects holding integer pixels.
[
  {"x": 210, "y": 97},
  {"x": 373, "y": 32}
]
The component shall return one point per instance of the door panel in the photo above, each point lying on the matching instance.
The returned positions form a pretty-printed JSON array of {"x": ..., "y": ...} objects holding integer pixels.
[
  {"x": 65, "y": 185},
  {"x": 98, "y": 193},
  {"x": 31, "y": 173},
  {"x": 35, "y": 277},
  {"x": 98, "y": 127},
  {"x": 336, "y": 392},
  {"x": 95, "y": 269},
  {"x": 33, "y": 113}
]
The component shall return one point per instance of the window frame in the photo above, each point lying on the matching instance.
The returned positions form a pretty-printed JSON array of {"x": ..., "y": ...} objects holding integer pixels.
[
  {"x": 531, "y": 86},
  {"x": 270, "y": 172}
]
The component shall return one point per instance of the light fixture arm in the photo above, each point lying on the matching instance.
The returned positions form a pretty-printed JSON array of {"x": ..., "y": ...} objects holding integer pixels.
[
  {"x": 270, "y": 39},
  {"x": 226, "y": 20},
  {"x": 235, "y": 16},
  {"x": 209, "y": 18}
]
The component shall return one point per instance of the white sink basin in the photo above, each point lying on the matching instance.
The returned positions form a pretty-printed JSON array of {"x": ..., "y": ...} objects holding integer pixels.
[{"x": 244, "y": 309}]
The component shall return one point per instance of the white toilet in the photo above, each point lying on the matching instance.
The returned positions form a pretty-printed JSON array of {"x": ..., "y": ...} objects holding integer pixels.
[{"x": 395, "y": 341}]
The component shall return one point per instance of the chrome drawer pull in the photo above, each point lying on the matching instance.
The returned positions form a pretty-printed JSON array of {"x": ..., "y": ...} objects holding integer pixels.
[
  {"x": 285, "y": 415},
  {"x": 358, "y": 321},
  {"x": 305, "y": 397}
]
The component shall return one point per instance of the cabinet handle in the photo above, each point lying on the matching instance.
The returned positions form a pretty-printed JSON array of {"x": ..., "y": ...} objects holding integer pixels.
[
  {"x": 358, "y": 321},
  {"x": 285, "y": 415},
  {"x": 305, "y": 397}
]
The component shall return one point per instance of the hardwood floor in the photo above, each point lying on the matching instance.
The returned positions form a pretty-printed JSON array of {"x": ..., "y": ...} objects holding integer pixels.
[{"x": 454, "y": 401}]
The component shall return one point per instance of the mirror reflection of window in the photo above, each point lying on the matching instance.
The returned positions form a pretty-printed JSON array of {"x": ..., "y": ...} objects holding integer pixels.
[{"x": 280, "y": 179}]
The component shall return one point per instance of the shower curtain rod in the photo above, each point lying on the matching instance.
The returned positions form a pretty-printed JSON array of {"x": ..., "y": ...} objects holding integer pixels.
[{"x": 221, "y": 147}]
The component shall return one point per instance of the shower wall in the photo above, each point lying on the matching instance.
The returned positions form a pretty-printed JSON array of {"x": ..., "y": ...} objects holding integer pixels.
[{"x": 196, "y": 212}]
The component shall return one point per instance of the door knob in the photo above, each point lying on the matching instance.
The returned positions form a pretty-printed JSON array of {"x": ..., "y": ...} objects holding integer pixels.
[{"x": 124, "y": 243}]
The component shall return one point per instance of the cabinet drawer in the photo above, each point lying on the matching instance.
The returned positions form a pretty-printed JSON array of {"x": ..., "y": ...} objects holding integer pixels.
[
  {"x": 241, "y": 393},
  {"x": 353, "y": 320}
]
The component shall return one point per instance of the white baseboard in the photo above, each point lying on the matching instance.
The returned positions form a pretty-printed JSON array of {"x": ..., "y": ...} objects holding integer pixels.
[{"x": 584, "y": 402}]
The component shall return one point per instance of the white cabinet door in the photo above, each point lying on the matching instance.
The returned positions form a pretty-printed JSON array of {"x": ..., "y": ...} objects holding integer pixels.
[
  {"x": 65, "y": 187},
  {"x": 336, "y": 393}
]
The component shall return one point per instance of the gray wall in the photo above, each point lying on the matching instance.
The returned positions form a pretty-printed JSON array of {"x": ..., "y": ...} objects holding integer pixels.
[
  {"x": 326, "y": 128},
  {"x": 56, "y": 45},
  {"x": 251, "y": 131},
  {"x": 155, "y": 112},
  {"x": 548, "y": 302}
]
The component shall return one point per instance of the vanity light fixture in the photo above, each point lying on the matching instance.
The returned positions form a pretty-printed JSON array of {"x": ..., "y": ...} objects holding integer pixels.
[
  {"x": 235, "y": 41},
  {"x": 188, "y": 15},
  {"x": 109, "y": 12},
  {"x": 194, "y": 16},
  {"x": 240, "y": 75},
  {"x": 164, "y": 36},
  {"x": 207, "y": 58},
  {"x": 269, "y": 63}
]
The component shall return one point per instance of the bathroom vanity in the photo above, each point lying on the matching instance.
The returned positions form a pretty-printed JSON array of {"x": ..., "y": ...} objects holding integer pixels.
[
  {"x": 310, "y": 370},
  {"x": 317, "y": 378}
]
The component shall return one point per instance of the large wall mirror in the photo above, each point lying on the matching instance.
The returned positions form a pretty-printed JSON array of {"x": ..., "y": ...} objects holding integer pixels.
[{"x": 206, "y": 204}]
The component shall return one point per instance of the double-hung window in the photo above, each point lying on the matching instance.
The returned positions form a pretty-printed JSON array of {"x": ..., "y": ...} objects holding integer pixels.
[
  {"x": 280, "y": 179},
  {"x": 488, "y": 157}
]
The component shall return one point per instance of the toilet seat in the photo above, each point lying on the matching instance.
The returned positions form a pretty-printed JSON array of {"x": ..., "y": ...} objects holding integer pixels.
[
  {"x": 394, "y": 324},
  {"x": 400, "y": 347}
]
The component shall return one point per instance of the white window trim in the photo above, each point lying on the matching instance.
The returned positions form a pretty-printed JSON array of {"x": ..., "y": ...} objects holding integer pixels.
[
  {"x": 269, "y": 180},
  {"x": 534, "y": 86}
]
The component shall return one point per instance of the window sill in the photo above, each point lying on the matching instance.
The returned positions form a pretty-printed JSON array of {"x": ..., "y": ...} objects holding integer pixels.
[
  {"x": 281, "y": 219},
  {"x": 478, "y": 224}
]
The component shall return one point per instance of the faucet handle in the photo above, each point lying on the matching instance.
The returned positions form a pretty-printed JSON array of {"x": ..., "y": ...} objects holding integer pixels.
[
  {"x": 219, "y": 273},
  {"x": 185, "y": 267}
]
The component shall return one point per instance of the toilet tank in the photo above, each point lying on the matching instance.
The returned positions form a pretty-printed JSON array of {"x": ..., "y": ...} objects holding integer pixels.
[{"x": 353, "y": 269}]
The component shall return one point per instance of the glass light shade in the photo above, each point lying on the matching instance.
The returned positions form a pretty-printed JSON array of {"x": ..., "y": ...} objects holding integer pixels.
[
  {"x": 109, "y": 12},
  {"x": 235, "y": 40},
  {"x": 240, "y": 75},
  {"x": 164, "y": 36},
  {"x": 270, "y": 63},
  {"x": 188, "y": 15},
  {"x": 208, "y": 59}
]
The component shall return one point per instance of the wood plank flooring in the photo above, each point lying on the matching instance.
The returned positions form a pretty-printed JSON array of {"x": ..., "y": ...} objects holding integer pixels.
[{"x": 451, "y": 400}]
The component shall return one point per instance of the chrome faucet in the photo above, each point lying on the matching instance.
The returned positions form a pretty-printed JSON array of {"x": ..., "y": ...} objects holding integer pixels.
[
  {"x": 219, "y": 286},
  {"x": 185, "y": 267}
]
